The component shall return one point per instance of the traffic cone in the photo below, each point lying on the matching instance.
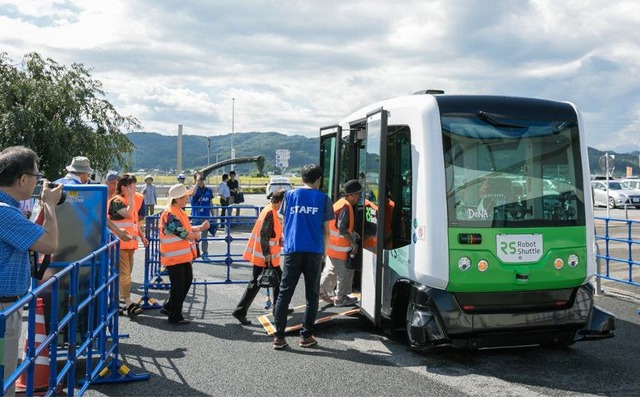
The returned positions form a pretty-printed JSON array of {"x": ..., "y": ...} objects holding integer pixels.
[{"x": 41, "y": 370}]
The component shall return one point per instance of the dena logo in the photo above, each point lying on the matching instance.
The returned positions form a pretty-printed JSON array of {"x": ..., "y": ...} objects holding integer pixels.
[{"x": 519, "y": 248}]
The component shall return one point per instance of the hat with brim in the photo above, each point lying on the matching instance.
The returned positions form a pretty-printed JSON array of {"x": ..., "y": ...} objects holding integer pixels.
[
  {"x": 351, "y": 187},
  {"x": 146, "y": 178},
  {"x": 178, "y": 191},
  {"x": 80, "y": 165}
]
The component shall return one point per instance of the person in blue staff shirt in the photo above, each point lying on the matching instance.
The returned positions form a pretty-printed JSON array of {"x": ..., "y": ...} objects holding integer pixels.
[
  {"x": 306, "y": 212},
  {"x": 201, "y": 202},
  {"x": 18, "y": 178}
]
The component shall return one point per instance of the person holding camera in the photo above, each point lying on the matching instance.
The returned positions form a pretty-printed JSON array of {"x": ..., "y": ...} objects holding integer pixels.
[
  {"x": 18, "y": 178},
  {"x": 263, "y": 248}
]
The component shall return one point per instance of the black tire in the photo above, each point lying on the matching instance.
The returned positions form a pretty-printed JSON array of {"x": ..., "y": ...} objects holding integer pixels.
[{"x": 611, "y": 203}]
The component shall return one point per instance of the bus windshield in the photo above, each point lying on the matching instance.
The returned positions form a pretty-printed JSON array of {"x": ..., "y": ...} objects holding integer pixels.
[{"x": 512, "y": 173}]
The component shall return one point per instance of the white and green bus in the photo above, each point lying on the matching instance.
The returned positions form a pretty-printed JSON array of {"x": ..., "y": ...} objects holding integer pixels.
[{"x": 477, "y": 219}]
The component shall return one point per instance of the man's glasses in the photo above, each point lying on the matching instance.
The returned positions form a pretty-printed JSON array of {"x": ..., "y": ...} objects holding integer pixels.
[{"x": 38, "y": 176}]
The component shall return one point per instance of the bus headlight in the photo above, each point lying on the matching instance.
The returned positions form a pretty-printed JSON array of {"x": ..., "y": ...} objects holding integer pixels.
[
  {"x": 483, "y": 265},
  {"x": 464, "y": 263},
  {"x": 573, "y": 260},
  {"x": 558, "y": 263}
]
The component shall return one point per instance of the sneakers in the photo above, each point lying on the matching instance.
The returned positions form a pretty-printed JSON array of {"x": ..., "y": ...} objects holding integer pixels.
[
  {"x": 347, "y": 301},
  {"x": 279, "y": 344},
  {"x": 308, "y": 341},
  {"x": 325, "y": 296}
]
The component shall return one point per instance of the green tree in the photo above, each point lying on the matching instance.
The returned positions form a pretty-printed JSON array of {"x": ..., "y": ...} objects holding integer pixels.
[{"x": 60, "y": 112}]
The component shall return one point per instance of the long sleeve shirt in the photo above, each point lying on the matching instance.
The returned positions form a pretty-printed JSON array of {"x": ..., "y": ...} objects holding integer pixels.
[{"x": 267, "y": 232}]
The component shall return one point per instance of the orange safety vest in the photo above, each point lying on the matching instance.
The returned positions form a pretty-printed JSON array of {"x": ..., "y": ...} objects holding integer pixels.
[
  {"x": 388, "y": 215},
  {"x": 138, "y": 199},
  {"x": 253, "y": 251},
  {"x": 339, "y": 247},
  {"x": 173, "y": 249},
  {"x": 370, "y": 242},
  {"x": 130, "y": 225}
]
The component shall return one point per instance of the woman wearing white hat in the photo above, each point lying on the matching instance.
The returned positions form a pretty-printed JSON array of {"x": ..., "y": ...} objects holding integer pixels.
[{"x": 178, "y": 250}]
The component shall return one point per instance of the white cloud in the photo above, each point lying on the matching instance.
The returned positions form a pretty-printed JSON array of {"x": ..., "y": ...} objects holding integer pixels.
[{"x": 296, "y": 66}]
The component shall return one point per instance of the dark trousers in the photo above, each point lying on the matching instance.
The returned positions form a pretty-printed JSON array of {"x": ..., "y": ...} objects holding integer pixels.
[
  {"x": 224, "y": 202},
  {"x": 252, "y": 291},
  {"x": 294, "y": 265},
  {"x": 181, "y": 276}
]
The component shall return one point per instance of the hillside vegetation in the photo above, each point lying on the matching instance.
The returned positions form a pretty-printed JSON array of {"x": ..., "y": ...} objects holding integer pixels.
[{"x": 156, "y": 151}]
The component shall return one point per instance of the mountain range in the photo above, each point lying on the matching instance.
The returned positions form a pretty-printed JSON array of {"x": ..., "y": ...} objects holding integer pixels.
[{"x": 156, "y": 151}]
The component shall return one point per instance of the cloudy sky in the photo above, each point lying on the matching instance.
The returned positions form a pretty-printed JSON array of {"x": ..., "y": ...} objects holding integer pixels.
[{"x": 294, "y": 66}]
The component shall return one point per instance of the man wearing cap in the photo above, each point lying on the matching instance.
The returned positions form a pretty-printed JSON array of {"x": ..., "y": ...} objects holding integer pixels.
[
  {"x": 181, "y": 179},
  {"x": 342, "y": 247},
  {"x": 150, "y": 197},
  {"x": 178, "y": 250},
  {"x": 78, "y": 172}
]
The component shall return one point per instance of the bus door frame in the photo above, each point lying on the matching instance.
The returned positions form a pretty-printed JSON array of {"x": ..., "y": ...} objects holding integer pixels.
[
  {"x": 336, "y": 132},
  {"x": 372, "y": 262}
]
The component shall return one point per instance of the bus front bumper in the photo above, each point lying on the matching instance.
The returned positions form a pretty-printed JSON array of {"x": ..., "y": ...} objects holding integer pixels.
[{"x": 437, "y": 318}]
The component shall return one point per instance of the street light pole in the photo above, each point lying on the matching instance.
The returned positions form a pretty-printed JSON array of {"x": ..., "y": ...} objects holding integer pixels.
[{"x": 233, "y": 120}]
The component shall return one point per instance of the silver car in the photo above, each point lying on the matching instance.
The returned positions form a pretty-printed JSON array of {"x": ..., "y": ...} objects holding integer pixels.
[
  {"x": 632, "y": 183},
  {"x": 619, "y": 194}
]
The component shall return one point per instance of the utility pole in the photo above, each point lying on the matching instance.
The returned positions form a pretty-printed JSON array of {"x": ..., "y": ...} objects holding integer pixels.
[{"x": 208, "y": 150}]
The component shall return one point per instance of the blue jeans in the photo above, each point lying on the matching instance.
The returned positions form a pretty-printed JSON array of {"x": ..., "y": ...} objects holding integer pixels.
[{"x": 294, "y": 264}]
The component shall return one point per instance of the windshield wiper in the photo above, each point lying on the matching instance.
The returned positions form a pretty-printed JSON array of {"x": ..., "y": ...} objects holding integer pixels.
[{"x": 493, "y": 121}]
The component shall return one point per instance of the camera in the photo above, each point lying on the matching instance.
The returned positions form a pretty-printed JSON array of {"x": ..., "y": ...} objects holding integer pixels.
[{"x": 37, "y": 191}]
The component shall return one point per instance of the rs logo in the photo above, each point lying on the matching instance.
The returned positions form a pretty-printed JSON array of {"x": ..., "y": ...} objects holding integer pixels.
[{"x": 508, "y": 247}]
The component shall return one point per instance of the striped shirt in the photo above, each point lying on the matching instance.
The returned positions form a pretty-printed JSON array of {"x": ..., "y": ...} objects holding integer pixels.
[{"x": 17, "y": 235}]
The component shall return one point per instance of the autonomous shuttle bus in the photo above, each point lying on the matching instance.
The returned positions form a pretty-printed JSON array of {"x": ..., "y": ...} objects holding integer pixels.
[{"x": 476, "y": 219}]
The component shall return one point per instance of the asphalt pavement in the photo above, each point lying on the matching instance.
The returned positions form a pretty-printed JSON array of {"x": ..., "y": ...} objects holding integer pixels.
[{"x": 216, "y": 356}]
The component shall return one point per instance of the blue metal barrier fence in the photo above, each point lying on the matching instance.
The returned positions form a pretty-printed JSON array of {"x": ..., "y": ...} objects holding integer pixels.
[
  {"x": 89, "y": 329},
  {"x": 232, "y": 229},
  {"x": 615, "y": 249}
]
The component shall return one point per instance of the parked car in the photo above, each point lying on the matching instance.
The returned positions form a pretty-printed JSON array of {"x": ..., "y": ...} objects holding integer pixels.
[
  {"x": 277, "y": 183},
  {"x": 631, "y": 183},
  {"x": 519, "y": 186},
  {"x": 619, "y": 194}
]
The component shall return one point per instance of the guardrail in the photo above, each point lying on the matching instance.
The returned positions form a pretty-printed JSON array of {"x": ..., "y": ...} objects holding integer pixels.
[
  {"x": 154, "y": 271},
  {"x": 615, "y": 250},
  {"x": 89, "y": 328}
]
